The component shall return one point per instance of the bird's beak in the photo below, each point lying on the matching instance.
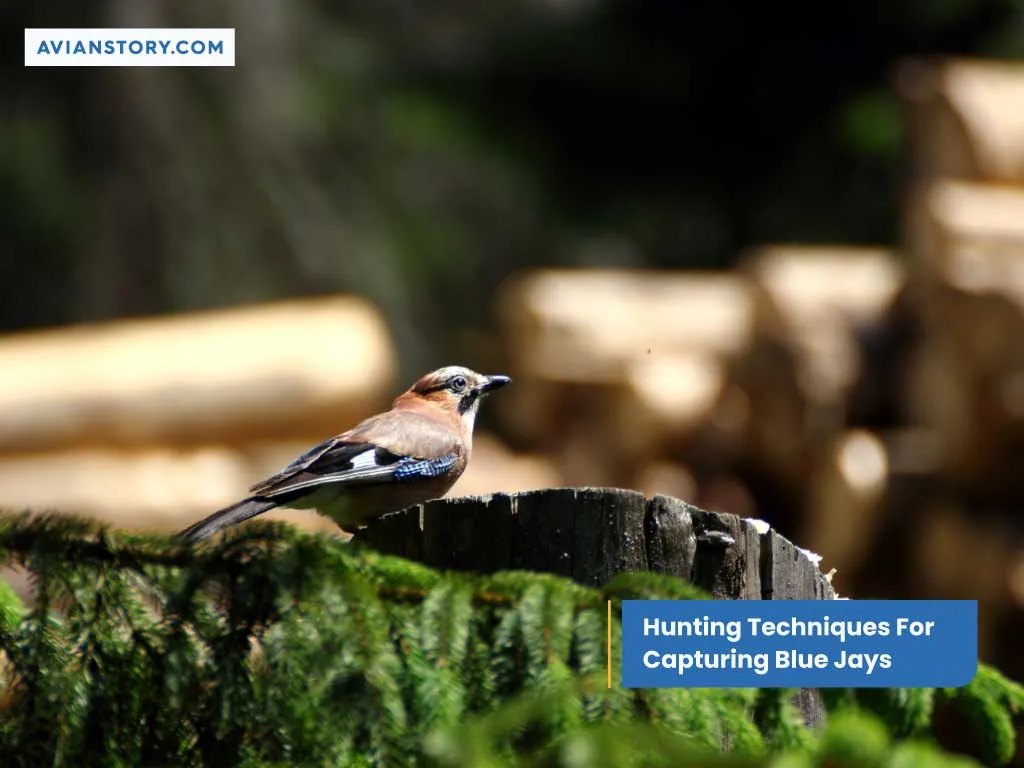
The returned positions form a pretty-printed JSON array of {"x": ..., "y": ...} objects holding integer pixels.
[{"x": 493, "y": 382}]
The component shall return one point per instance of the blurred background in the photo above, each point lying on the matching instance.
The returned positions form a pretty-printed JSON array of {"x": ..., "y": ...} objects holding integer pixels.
[{"x": 769, "y": 259}]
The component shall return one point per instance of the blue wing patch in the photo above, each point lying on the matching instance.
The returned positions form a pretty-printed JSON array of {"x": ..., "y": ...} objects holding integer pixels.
[{"x": 414, "y": 469}]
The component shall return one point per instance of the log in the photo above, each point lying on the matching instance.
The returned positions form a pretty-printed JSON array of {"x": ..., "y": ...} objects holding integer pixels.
[
  {"x": 811, "y": 303},
  {"x": 969, "y": 236},
  {"x": 146, "y": 489},
  {"x": 272, "y": 371},
  {"x": 589, "y": 325},
  {"x": 586, "y": 335},
  {"x": 966, "y": 119},
  {"x": 592, "y": 534},
  {"x": 965, "y": 379},
  {"x": 665, "y": 404},
  {"x": 814, "y": 299}
]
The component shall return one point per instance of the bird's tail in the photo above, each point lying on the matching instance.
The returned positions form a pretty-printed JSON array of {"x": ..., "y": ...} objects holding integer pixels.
[{"x": 225, "y": 518}]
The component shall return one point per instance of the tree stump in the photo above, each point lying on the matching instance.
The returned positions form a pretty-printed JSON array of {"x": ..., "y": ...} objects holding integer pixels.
[{"x": 592, "y": 534}]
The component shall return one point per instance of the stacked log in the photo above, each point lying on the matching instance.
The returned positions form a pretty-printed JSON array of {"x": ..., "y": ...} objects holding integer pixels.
[
  {"x": 811, "y": 303},
  {"x": 147, "y": 423},
  {"x": 618, "y": 370},
  {"x": 965, "y": 239},
  {"x": 673, "y": 382},
  {"x": 590, "y": 325},
  {"x": 964, "y": 383},
  {"x": 967, "y": 379},
  {"x": 151, "y": 424}
]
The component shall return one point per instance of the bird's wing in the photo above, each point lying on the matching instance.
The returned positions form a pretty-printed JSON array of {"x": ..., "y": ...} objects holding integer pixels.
[{"x": 390, "y": 447}]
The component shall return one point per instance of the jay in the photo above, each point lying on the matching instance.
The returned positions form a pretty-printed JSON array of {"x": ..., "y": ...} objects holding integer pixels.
[{"x": 405, "y": 456}]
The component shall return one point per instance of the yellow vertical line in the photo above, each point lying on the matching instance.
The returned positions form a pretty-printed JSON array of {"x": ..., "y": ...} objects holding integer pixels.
[{"x": 609, "y": 643}]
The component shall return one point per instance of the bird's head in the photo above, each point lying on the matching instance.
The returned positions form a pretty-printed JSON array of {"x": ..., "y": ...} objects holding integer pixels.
[{"x": 454, "y": 389}]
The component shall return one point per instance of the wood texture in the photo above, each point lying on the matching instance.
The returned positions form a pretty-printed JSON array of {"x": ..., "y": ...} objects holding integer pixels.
[
  {"x": 966, "y": 119},
  {"x": 591, "y": 534},
  {"x": 269, "y": 372}
]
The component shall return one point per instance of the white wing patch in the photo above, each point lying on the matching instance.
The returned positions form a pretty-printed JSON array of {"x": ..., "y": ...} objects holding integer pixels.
[{"x": 365, "y": 460}]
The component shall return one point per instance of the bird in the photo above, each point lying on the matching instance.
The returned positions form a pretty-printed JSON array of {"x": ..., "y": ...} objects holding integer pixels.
[{"x": 410, "y": 454}]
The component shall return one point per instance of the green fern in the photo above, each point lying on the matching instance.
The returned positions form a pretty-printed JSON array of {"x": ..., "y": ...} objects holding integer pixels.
[{"x": 274, "y": 647}]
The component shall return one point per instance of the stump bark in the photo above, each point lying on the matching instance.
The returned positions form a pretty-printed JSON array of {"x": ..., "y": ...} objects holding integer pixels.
[{"x": 592, "y": 534}]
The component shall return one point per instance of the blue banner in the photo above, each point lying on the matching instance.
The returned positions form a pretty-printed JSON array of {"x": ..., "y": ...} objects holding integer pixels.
[{"x": 799, "y": 643}]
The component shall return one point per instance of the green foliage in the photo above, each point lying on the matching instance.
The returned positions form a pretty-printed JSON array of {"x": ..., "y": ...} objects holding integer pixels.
[
  {"x": 990, "y": 702},
  {"x": 274, "y": 647},
  {"x": 852, "y": 740},
  {"x": 12, "y": 610}
]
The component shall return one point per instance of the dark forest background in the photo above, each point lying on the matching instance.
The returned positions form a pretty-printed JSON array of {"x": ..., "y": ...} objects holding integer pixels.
[{"x": 420, "y": 153}]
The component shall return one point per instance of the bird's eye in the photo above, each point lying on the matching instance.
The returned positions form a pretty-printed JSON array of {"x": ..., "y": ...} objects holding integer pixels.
[{"x": 458, "y": 384}]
